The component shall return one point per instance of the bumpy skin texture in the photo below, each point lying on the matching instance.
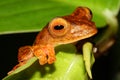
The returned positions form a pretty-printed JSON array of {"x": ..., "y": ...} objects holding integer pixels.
[{"x": 60, "y": 30}]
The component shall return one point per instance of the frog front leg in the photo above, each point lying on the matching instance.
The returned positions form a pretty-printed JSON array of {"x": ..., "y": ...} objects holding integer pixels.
[{"x": 45, "y": 54}]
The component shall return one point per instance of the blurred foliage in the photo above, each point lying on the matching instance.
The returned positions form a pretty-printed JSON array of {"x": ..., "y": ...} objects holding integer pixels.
[{"x": 32, "y": 15}]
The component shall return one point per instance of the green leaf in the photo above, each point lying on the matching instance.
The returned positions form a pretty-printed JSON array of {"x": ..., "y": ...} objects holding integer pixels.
[
  {"x": 88, "y": 57},
  {"x": 32, "y": 15},
  {"x": 68, "y": 66}
]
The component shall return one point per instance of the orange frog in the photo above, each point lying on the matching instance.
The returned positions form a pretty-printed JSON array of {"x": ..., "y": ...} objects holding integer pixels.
[{"x": 60, "y": 30}]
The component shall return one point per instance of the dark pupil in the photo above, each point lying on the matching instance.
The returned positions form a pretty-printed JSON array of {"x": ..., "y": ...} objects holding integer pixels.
[{"x": 58, "y": 27}]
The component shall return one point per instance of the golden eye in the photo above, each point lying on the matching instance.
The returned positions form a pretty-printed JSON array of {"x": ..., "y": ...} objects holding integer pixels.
[{"x": 58, "y": 27}]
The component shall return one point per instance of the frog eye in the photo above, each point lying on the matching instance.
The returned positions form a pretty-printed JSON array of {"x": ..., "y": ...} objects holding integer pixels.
[
  {"x": 83, "y": 12},
  {"x": 88, "y": 13},
  {"x": 58, "y": 27}
]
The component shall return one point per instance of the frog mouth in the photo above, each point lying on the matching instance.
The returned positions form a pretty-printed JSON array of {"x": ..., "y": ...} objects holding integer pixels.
[
  {"x": 77, "y": 38},
  {"x": 82, "y": 32},
  {"x": 80, "y": 38}
]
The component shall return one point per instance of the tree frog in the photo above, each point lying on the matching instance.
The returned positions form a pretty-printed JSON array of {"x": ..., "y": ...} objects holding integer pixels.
[{"x": 60, "y": 30}]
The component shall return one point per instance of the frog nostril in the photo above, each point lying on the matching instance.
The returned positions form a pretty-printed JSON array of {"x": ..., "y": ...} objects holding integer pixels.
[{"x": 58, "y": 27}]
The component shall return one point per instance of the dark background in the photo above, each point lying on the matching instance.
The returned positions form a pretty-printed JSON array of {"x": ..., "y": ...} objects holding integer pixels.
[{"x": 105, "y": 68}]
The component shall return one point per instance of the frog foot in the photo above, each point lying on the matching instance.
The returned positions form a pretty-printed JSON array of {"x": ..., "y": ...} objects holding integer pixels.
[
  {"x": 24, "y": 54},
  {"x": 45, "y": 54}
]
